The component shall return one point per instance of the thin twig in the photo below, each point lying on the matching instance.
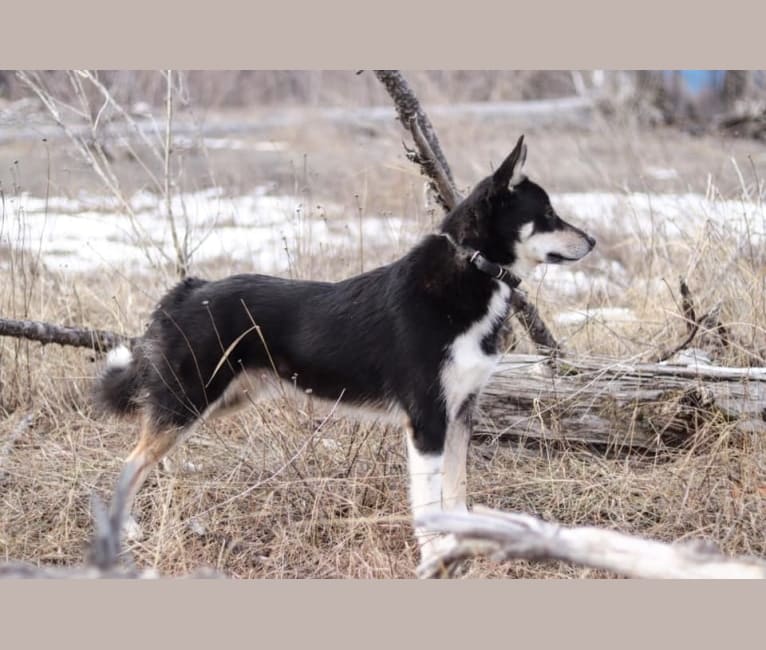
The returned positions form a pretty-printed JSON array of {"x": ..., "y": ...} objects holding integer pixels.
[
  {"x": 667, "y": 353},
  {"x": 708, "y": 322},
  {"x": 687, "y": 306},
  {"x": 181, "y": 257}
]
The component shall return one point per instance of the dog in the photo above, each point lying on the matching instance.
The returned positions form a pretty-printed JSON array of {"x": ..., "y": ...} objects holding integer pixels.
[{"x": 413, "y": 342}]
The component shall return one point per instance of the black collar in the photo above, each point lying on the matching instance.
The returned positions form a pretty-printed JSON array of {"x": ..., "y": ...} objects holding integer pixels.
[{"x": 486, "y": 266}]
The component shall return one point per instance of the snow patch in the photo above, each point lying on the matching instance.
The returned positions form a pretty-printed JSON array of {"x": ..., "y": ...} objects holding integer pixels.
[{"x": 267, "y": 231}]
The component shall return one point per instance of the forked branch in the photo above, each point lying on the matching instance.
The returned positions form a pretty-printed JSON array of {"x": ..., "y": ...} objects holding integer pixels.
[
  {"x": 510, "y": 535},
  {"x": 432, "y": 160}
]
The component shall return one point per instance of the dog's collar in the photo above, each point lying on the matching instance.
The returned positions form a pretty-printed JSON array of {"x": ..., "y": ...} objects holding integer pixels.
[{"x": 486, "y": 266}]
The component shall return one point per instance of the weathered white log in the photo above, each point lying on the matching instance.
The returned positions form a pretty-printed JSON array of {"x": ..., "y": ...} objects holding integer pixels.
[
  {"x": 618, "y": 404},
  {"x": 510, "y": 535}
]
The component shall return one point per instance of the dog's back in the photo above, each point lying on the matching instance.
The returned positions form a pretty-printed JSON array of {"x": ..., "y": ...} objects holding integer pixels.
[{"x": 331, "y": 339}]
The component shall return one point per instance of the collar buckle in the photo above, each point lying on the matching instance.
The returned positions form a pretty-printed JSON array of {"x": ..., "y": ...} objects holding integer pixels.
[{"x": 484, "y": 265}]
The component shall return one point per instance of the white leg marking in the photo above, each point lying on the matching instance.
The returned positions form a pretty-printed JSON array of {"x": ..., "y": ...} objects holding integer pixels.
[
  {"x": 425, "y": 479},
  {"x": 426, "y": 471},
  {"x": 425, "y": 492}
]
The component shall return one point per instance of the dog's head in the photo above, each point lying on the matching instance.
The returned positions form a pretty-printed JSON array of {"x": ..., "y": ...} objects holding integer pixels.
[{"x": 511, "y": 220}]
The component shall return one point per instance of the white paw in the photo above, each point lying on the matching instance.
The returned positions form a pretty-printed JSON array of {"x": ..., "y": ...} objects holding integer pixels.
[
  {"x": 132, "y": 530},
  {"x": 434, "y": 546}
]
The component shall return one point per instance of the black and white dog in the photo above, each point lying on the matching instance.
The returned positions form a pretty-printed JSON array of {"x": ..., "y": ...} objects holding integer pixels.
[{"x": 413, "y": 341}]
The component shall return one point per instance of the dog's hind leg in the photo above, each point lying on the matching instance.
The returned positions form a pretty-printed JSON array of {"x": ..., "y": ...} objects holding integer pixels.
[{"x": 154, "y": 443}]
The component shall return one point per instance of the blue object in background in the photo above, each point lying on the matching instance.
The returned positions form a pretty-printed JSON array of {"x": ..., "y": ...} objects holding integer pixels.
[{"x": 696, "y": 82}]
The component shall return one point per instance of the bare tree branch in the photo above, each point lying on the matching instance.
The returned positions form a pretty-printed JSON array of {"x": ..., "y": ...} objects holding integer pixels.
[
  {"x": 50, "y": 333},
  {"x": 510, "y": 535},
  {"x": 584, "y": 401},
  {"x": 441, "y": 182},
  {"x": 408, "y": 107},
  {"x": 530, "y": 318},
  {"x": 433, "y": 164},
  {"x": 182, "y": 257}
]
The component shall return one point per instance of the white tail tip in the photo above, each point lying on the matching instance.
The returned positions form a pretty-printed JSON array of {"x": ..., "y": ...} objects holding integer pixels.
[{"x": 119, "y": 357}]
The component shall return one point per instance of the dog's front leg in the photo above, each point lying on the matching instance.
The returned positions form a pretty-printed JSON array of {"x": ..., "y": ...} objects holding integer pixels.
[
  {"x": 455, "y": 461},
  {"x": 426, "y": 460}
]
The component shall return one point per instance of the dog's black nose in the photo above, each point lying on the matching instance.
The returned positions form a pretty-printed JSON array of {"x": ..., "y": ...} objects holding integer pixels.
[{"x": 591, "y": 241}]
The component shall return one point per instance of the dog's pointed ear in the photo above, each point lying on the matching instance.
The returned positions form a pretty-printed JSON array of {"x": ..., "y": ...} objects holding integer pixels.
[{"x": 511, "y": 171}]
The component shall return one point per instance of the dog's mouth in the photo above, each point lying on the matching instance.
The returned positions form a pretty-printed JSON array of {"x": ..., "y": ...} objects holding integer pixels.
[{"x": 557, "y": 258}]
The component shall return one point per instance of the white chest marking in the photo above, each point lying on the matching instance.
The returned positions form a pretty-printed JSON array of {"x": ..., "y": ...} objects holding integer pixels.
[{"x": 467, "y": 367}]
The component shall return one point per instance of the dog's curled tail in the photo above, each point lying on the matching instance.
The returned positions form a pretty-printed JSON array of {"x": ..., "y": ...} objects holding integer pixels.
[{"x": 117, "y": 389}]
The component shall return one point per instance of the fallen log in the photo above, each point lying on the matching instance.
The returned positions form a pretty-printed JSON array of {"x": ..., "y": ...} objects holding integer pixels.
[
  {"x": 604, "y": 402},
  {"x": 512, "y": 535},
  {"x": 616, "y": 404}
]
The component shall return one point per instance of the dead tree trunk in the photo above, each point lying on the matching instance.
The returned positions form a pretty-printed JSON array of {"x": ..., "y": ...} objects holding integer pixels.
[
  {"x": 607, "y": 403},
  {"x": 618, "y": 405}
]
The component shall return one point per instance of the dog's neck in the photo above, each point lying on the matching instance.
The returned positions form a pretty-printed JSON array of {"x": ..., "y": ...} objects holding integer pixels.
[{"x": 477, "y": 259}]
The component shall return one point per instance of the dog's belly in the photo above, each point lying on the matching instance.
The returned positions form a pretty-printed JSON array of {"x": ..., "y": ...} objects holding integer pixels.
[{"x": 259, "y": 385}]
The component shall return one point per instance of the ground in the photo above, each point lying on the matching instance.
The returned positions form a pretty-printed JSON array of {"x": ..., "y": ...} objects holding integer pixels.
[{"x": 275, "y": 492}]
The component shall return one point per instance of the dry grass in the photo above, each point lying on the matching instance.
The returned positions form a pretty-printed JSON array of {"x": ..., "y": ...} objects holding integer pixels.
[{"x": 276, "y": 492}]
